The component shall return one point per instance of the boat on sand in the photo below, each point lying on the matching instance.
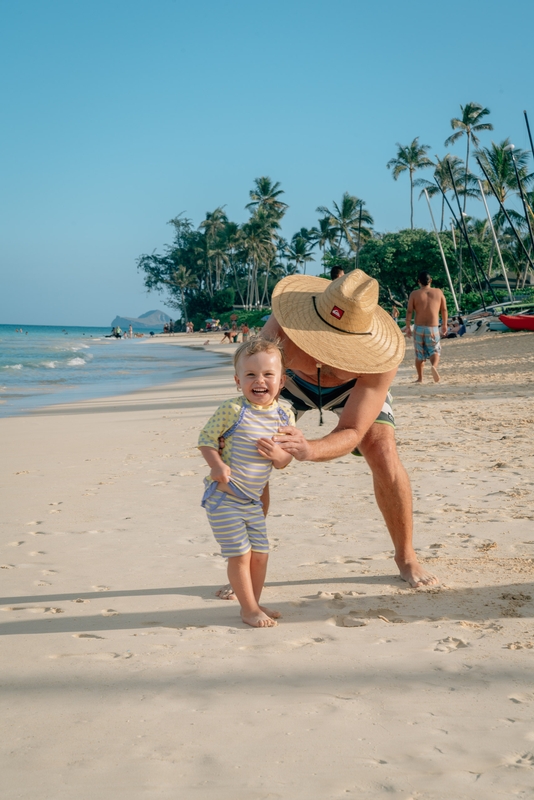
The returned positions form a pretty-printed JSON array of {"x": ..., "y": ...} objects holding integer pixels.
[{"x": 518, "y": 322}]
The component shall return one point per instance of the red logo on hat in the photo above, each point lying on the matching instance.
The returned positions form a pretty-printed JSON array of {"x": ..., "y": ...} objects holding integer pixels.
[{"x": 337, "y": 312}]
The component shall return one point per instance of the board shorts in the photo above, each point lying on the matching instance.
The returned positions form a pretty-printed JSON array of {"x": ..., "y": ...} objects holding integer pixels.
[
  {"x": 426, "y": 341},
  {"x": 238, "y": 525},
  {"x": 304, "y": 396}
]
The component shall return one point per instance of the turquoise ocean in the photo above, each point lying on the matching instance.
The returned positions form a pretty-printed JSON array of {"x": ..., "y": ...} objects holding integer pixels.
[{"x": 45, "y": 365}]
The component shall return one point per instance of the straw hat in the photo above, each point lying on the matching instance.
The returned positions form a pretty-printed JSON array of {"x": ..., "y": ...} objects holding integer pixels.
[{"x": 339, "y": 322}]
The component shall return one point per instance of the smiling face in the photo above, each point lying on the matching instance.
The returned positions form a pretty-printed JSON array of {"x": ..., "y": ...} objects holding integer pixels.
[{"x": 259, "y": 377}]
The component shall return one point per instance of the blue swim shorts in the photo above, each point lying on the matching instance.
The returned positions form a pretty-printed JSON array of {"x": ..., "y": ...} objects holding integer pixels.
[{"x": 426, "y": 341}]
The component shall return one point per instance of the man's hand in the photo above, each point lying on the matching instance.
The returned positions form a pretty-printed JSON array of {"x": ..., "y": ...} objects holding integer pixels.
[
  {"x": 444, "y": 330},
  {"x": 273, "y": 452},
  {"x": 221, "y": 473},
  {"x": 292, "y": 440}
]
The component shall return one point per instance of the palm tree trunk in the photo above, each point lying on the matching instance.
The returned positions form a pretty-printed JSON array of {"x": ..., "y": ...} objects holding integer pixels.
[
  {"x": 466, "y": 169},
  {"x": 411, "y": 199}
]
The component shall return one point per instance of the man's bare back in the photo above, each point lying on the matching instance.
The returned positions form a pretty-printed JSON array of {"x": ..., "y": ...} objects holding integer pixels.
[{"x": 428, "y": 304}]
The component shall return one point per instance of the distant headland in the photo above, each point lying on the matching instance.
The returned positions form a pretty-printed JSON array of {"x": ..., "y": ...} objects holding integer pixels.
[{"x": 149, "y": 321}]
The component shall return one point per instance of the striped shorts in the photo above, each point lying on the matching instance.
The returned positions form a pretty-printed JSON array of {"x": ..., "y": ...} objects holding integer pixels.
[
  {"x": 238, "y": 525},
  {"x": 426, "y": 341}
]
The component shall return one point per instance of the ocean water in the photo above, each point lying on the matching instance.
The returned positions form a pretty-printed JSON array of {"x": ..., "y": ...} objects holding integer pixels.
[{"x": 45, "y": 365}]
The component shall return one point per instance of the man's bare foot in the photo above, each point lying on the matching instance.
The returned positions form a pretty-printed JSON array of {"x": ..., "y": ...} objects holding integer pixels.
[
  {"x": 270, "y": 612},
  {"x": 413, "y": 573},
  {"x": 435, "y": 374},
  {"x": 419, "y": 380},
  {"x": 226, "y": 593},
  {"x": 258, "y": 620}
]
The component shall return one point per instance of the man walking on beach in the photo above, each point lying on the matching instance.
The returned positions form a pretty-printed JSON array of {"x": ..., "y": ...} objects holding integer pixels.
[
  {"x": 427, "y": 304},
  {"x": 342, "y": 352}
]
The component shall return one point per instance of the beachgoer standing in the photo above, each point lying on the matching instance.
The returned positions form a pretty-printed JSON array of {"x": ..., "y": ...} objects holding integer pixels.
[
  {"x": 245, "y": 330},
  {"x": 237, "y": 443},
  {"x": 427, "y": 304}
]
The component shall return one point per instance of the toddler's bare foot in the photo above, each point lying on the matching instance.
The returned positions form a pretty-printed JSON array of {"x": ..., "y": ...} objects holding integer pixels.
[
  {"x": 270, "y": 612},
  {"x": 435, "y": 374},
  {"x": 226, "y": 593},
  {"x": 258, "y": 619}
]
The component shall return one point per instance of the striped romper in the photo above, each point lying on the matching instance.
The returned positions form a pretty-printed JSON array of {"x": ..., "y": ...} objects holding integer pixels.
[{"x": 237, "y": 520}]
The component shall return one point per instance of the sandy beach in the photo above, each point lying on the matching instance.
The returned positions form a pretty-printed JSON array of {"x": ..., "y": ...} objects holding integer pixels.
[{"x": 123, "y": 676}]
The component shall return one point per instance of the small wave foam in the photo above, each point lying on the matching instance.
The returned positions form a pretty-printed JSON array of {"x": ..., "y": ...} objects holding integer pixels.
[
  {"x": 75, "y": 362},
  {"x": 13, "y": 366},
  {"x": 50, "y": 364}
]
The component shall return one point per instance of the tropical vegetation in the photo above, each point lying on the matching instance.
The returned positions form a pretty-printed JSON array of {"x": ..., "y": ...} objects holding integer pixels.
[{"x": 220, "y": 265}]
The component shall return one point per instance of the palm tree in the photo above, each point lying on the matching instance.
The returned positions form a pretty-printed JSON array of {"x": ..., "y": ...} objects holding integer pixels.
[
  {"x": 344, "y": 222},
  {"x": 258, "y": 250},
  {"x": 182, "y": 279},
  {"x": 469, "y": 125},
  {"x": 443, "y": 177},
  {"x": 299, "y": 251},
  {"x": 213, "y": 226},
  {"x": 410, "y": 157},
  {"x": 266, "y": 195},
  {"x": 497, "y": 161}
]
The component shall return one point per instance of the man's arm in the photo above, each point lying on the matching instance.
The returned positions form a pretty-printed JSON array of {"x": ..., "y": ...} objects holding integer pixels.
[
  {"x": 409, "y": 313},
  {"x": 361, "y": 410},
  {"x": 444, "y": 314}
]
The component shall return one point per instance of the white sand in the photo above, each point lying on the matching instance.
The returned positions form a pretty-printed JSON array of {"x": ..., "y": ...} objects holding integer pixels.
[{"x": 124, "y": 677}]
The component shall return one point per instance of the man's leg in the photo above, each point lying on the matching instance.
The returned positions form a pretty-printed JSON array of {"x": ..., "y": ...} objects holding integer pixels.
[
  {"x": 419, "y": 368},
  {"x": 434, "y": 361},
  {"x": 394, "y": 498}
]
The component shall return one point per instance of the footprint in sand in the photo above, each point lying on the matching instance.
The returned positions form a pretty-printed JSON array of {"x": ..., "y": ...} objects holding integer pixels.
[
  {"x": 350, "y": 622},
  {"x": 529, "y": 645},
  {"x": 93, "y": 656},
  {"x": 525, "y": 697},
  {"x": 101, "y": 588},
  {"x": 520, "y": 760},
  {"x": 35, "y": 609},
  {"x": 86, "y": 636},
  {"x": 7, "y": 566},
  {"x": 450, "y": 644},
  {"x": 35, "y": 522},
  {"x": 109, "y": 612}
]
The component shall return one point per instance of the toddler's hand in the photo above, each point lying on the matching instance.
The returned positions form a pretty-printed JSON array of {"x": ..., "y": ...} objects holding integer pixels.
[
  {"x": 221, "y": 473},
  {"x": 273, "y": 452}
]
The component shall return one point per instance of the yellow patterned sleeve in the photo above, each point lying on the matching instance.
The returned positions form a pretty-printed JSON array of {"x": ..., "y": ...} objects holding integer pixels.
[{"x": 225, "y": 416}]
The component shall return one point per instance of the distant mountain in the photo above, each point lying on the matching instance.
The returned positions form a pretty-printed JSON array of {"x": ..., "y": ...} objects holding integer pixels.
[{"x": 151, "y": 321}]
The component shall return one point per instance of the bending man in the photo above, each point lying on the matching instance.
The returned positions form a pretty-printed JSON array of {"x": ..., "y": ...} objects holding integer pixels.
[{"x": 342, "y": 352}]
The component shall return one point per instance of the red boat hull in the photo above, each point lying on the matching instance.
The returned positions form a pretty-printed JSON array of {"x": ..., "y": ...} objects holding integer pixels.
[{"x": 518, "y": 322}]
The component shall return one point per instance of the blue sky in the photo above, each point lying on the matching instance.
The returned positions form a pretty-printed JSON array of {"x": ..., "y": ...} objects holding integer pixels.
[{"x": 120, "y": 114}]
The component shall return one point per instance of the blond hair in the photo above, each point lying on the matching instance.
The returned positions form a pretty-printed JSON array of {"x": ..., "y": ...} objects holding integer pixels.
[{"x": 258, "y": 344}]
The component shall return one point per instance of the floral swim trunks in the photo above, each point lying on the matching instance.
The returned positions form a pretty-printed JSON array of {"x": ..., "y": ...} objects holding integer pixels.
[{"x": 426, "y": 341}]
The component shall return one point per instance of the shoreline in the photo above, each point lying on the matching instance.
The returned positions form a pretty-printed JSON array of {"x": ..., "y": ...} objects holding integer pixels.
[{"x": 121, "y": 667}]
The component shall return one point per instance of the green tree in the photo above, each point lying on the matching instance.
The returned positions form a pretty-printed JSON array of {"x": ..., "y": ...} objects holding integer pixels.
[
  {"x": 468, "y": 125},
  {"x": 299, "y": 252},
  {"x": 497, "y": 161},
  {"x": 443, "y": 177},
  {"x": 214, "y": 226},
  {"x": 410, "y": 157},
  {"x": 265, "y": 195},
  {"x": 395, "y": 260},
  {"x": 349, "y": 222}
]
